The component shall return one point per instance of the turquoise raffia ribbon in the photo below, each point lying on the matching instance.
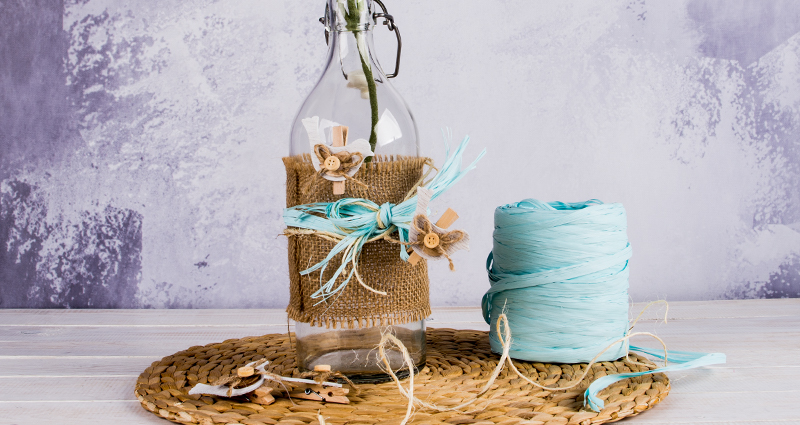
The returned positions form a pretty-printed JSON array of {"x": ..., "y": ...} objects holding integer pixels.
[
  {"x": 357, "y": 221},
  {"x": 681, "y": 360}
]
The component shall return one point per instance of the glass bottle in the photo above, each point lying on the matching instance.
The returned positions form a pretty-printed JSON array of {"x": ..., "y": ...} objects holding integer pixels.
[
  {"x": 342, "y": 94},
  {"x": 377, "y": 113}
]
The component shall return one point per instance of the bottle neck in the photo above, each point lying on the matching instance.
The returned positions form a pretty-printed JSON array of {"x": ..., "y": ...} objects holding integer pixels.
[
  {"x": 350, "y": 15},
  {"x": 350, "y": 50}
]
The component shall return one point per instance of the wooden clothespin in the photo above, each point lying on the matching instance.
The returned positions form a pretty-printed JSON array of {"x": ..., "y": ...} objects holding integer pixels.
[
  {"x": 320, "y": 392},
  {"x": 262, "y": 395},
  {"x": 446, "y": 220},
  {"x": 339, "y": 134}
]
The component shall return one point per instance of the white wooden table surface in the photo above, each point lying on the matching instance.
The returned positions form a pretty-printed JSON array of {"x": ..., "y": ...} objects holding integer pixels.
[{"x": 79, "y": 366}]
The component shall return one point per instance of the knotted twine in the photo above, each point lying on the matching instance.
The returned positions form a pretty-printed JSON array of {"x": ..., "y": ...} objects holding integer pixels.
[
  {"x": 348, "y": 161},
  {"x": 444, "y": 240},
  {"x": 234, "y": 381}
]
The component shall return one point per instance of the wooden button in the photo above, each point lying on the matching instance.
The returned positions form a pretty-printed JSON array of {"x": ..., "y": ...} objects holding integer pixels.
[
  {"x": 431, "y": 240},
  {"x": 245, "y": 371},
  {"x": 332, "y": 163},
  {"x": 322, "y": 368}
]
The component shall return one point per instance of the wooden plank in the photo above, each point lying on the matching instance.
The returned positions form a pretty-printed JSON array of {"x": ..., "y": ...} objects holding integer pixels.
[
  {"x": 451, "y": 315},
  {"x": 682, "y": 310},
  {"x": 720, "y": 309},
  {"x": 184, "y": 318},
  {"x": 98, "y": 412},
  {"x": 723, "y": 407},
  {"x": 73, "y": 388},
  {"x": 738, "y": 336},
  {"x": 143, "y": 318},
  {"x": 92, "y": 341},
  {"x": 74, "y": 366},
  {"x": 105, "y": 341},
  {"x": 739, "y": 358}
]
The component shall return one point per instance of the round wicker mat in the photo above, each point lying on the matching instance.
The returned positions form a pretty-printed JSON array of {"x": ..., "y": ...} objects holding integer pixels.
[{"x": 459, "y": 363}]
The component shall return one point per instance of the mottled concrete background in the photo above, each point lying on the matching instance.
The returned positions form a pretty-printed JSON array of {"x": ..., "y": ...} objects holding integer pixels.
[{"x": 140, "y": 141}]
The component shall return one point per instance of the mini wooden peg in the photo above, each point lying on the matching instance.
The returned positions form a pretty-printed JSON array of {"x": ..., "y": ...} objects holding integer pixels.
[
  {"x": 446, "y": 220},
  {"x": 339, "y": 134},
  {"x": 245, "y": 371},
  {"x": 320, "y": 393},
  {"x": 322, "y": 368},
  {"x": 262, "y": 395}
]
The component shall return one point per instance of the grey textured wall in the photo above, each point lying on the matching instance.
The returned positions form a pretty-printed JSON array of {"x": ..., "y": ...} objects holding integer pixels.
[{"x": 141, "y": 140}]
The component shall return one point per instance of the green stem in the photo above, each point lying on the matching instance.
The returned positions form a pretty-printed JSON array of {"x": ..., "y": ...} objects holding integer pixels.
[
  {"x": 352, "y": 17},
  {"x": 373, "y": 104}
]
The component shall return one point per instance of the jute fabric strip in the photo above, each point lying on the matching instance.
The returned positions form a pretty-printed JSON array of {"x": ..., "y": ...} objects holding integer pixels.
[
  {"x": 459, "y": 363},
  {"x": 386, "y": 179}
]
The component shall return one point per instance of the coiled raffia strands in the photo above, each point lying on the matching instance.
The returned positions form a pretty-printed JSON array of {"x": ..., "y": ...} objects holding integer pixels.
[{"x": 560, "y": 271}]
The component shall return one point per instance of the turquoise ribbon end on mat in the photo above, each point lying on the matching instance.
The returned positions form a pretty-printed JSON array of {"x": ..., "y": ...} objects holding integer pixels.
[{"x": 682, "y": 360}]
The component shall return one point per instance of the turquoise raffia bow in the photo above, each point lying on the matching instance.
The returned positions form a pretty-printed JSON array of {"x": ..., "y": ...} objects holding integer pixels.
[{"x": 352, "y": 222}]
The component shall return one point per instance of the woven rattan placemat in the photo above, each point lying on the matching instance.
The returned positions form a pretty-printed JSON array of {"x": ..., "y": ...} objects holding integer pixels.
[{"x": 459, "y": 363}]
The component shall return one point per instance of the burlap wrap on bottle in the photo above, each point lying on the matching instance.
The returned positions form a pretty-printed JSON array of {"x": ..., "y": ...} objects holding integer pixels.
[{"x": 380, "y": 266}]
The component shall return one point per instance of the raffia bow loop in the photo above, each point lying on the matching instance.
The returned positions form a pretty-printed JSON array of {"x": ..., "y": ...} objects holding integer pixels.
[{"x": 433, "y": 241}]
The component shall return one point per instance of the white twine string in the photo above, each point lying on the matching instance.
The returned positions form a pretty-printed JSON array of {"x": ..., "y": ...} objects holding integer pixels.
[{"x": 504, "y": 331}]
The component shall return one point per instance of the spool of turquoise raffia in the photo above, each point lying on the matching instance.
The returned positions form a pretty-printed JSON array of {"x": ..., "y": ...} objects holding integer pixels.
[{"x": 560, "y": 273}]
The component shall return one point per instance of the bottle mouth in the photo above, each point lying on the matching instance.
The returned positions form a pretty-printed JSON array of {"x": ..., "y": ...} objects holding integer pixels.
[{"x": 349, "y": 15}]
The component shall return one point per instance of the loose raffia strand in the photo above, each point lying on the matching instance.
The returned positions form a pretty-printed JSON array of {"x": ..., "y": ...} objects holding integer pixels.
[{"x": 504, "y": 330}]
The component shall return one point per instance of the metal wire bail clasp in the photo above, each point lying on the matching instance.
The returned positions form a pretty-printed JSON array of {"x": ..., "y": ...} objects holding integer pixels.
[{"x": 388, "y": 20}]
